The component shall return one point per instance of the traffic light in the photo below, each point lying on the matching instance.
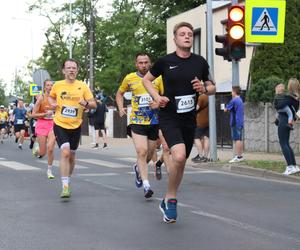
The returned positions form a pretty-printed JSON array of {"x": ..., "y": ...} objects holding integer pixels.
[
  {"x": 225, "y": 50},
  {"x": 236, "y": 32},
  {"x": 224, "y": 40}
]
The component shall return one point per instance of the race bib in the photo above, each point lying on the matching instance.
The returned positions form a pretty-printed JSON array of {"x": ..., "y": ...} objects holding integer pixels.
[
  {"x": 143, "y": 100},
  {"x": 69, "y": 112},
  {"x": 185, "y": 103},
  {"x": 20, "y": 121}
]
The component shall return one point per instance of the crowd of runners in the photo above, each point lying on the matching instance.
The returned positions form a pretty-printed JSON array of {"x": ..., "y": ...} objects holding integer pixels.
[{"x": 164, "y": 99}]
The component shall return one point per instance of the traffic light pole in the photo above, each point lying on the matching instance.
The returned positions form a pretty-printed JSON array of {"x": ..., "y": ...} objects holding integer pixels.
[
  {"x": 235, "y": 73},
  {"x": 212, "y": 98}
]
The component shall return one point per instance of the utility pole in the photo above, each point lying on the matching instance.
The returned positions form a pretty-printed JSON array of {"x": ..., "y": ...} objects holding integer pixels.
[
  {"x": 212, "y": 98},
  {"x": 235, "y": 63},
  {"x": 70, "y": 27},
  {"x": 91, "y": 45}
]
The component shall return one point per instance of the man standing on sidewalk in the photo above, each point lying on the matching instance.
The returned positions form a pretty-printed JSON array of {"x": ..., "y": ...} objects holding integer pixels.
[
  {"x": 69, "y": 97},
  {"x": 236, "y": 108},
  {"x": 184, "y": 75},
  {"x": 143, "y": 119}
]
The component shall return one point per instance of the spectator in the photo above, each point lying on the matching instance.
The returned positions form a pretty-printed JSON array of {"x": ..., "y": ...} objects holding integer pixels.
[
  {"x": 99, "y": 122},
  {"x": 236, "y": 108},
  {"x": 201, "y": 138}
]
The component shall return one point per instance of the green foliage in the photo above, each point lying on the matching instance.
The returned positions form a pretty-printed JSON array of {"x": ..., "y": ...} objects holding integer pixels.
[
  {"x": 2, "y": 93},
  {"x": 264, "y": 89},
  {"x": 280, "y": 60}
]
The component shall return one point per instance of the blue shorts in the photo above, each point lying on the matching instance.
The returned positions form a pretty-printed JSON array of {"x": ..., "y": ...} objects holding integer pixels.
[{"x": 237, "y": 133}]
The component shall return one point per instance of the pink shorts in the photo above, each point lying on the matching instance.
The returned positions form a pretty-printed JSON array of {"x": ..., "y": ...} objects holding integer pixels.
[{"x": 43, "y": 127}]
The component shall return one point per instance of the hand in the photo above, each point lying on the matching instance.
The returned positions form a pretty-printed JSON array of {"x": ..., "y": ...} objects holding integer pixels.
[
  {"x": 83, "y": 103},
  {"x": 162, "y": 101},
  {"x": 53, "y": 105},
  {"x": 39, "y": 98},
  {"x": 154, "y": 105},
  {"x": 198, "y": 85},
  {"x": 122, "y": 112}
]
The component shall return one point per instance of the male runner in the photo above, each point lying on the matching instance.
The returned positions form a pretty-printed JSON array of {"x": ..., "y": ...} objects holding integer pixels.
[
  {"x": 19, "y": 117},
  {"x": 3, "y": 123},
  {"x": 69, "y": 97},
  {"x": 183, "y": 74},
  {"x": 143, "y": 119}
]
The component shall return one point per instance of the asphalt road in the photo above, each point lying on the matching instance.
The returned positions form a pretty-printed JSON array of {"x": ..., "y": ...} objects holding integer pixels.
[{"x": 106, "y": 211}]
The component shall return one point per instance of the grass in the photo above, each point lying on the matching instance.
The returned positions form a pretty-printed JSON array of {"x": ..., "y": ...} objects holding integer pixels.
[{"x": 276, "y": 166}]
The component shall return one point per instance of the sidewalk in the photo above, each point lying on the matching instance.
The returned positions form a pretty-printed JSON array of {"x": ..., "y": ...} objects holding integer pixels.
[{"x": 124, "y": 147}]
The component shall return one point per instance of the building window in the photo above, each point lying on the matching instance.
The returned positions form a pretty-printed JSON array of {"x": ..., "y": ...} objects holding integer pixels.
[{"x": 197, "y": 42}]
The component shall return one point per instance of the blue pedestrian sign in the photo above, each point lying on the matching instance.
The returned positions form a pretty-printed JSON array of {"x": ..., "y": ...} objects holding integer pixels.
[{"x": 264, "y": 21}]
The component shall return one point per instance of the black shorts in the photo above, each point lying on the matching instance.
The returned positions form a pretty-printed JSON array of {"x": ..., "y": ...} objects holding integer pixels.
[
  {"x": 64, "y": 135},
  {"x": 3, "y": 125},
  {"x": 201, "y": 132},
  {"x": 176, "y": 131},
  {"x": 99, "y": 126},
  {"x": 19, "y": 127},
  {"x": 151, "y": 131}
]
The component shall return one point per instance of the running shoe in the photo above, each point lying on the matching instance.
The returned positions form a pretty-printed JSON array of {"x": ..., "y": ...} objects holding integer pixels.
[
  {"x": 138, "y": 180},
  {"x": 35, "y": 151},
  {"x": 169, "y": 210},
  {"x": 236, "y": 159},
  {"x": 105, "y": 145},
  {"x": 66, "y": 192},
  {"x": 148, "y": 192},
  {"x": 96, "y": 146},
  {"x": 157, "y": 171},
  {"x": 20, "y": 146},
  {"x": 50, "y": 175},
  {"x": 196, "y": 158}
]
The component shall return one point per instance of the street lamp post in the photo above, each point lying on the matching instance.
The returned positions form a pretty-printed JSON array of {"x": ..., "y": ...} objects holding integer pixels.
[{"x": 70, "y": 26}]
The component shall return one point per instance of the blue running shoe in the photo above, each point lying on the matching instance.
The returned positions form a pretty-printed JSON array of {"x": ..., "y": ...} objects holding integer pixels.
[
  {"x": 148, "y": 192},
  {"x": 169, "y": 210},
  {"x": 138, "y": 180}
]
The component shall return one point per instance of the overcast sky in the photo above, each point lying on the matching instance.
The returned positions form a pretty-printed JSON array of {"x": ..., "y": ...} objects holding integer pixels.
[{"x": 22, "y": 36}]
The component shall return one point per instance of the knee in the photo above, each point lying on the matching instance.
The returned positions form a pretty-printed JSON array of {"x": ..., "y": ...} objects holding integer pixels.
[
  {"x": 179, "y": 157},
  {"x": 66, "y": 153},
  {"x": 142, "y": 153}
]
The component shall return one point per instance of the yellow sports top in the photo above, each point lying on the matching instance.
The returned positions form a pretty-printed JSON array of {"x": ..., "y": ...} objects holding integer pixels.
[
  {"x": 141, "y": 112},
  {"x": 68, "y": 113}
]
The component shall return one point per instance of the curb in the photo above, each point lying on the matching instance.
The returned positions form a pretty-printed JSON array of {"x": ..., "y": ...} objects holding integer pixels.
[{"x": 246, "y": 170}]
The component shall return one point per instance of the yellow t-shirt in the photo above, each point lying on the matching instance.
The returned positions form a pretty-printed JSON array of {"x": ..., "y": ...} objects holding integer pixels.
[
  {"x": 68, "y": 113},
  {"x": 3, "y": 117},
  {"x": 141, "y": 112}
]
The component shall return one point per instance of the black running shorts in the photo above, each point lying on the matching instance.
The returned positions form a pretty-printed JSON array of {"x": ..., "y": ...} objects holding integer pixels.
[
  {"x": 151, "y": 131},
  {"x": 176, "y": 131},
  {"x": 64, "y": 135}
]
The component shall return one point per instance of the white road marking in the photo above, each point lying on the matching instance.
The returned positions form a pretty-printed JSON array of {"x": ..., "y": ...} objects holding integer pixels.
[
  {"x": 56, "y": 164},
  {"x": 17, "y": 165},
  {"x": 2, "y": 158},
  {"x": 107, "y": 164},
  {"x": 98, "y": 174},
  {"x": 246, "y": 226},
  {"x": 131, "y": 159},
  {"x": 104, "y": 185}
]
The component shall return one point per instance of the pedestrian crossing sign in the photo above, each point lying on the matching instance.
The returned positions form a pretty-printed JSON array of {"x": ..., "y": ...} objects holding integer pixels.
[
  {"x": 34, "y": 89},
  {"x": 265, "y": 21}
]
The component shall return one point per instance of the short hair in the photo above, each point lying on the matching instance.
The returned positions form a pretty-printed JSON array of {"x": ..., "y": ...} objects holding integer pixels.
[
  {"x": 141, "y": 54},
  {"x": 182, "y": 24},
  {"x": 236, "y": 89},
  {"x": 70, "y": 60}
]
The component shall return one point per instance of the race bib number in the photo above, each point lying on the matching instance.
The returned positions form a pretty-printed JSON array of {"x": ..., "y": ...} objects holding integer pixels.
[
  {"x": 20, "y": 121},
  {"x": 185, "y": 103},
  {"x": 69, "y": 112},
  {"x": 144, "y": 100}
]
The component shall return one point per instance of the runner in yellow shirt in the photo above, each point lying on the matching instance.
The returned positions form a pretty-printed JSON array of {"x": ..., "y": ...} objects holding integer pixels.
[
  {"x": 3, "y": 123},
  {"x": 69, "y": 97},
  {"x": 143, "y": 119}
]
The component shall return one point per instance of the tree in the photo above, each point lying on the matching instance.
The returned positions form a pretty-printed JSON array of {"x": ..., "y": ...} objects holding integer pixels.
[
  {"x": 2, "y": 93},
  {"x": 264, "y": 89}
]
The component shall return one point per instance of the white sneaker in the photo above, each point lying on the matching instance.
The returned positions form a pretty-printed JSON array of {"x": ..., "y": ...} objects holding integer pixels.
[
  {"x": 236, "y": 159},
  {"x": 50, "y": 175},
  {"x": 289, "y": 170},
  {"x": 295, "y": 170}
]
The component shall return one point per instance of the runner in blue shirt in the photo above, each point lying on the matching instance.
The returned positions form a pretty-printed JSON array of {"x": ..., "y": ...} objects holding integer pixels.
[{"x": 19, "y": 114}]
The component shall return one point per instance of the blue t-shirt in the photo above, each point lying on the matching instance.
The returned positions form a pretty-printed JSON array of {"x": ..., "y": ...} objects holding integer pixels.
[
  {"x": 236, "y": 108},
  {"x": 20, "y": 116}
]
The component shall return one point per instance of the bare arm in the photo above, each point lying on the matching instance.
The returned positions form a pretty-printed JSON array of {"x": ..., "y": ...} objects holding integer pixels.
[
  {"x": 88, "y": 104},
  {"x": 120, "y": 103},
  {"x": 147, "y": 82}
]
